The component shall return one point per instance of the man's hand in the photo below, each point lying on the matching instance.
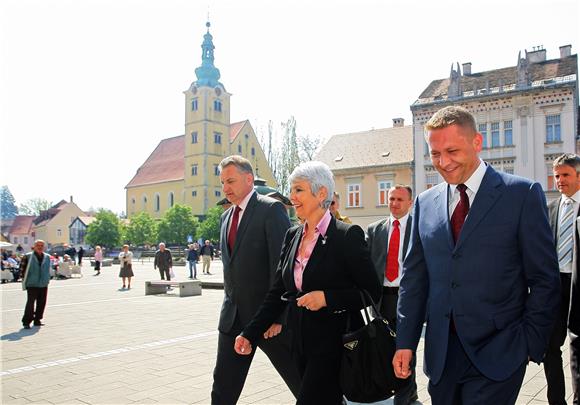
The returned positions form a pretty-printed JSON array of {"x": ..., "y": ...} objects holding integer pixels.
[
  {"x": 402, "y": 363},
  {"x": 273, "y": 330},
  {"x": 312, "y": 301},
  {"x": 242, "y": 346}
]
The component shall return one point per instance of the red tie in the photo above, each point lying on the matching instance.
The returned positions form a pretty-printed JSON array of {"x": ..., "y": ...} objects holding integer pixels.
[
  {"x": 392, "y": 268},
  {"x": 234, "y": 228},
  {"x": 460, "y": 212}
]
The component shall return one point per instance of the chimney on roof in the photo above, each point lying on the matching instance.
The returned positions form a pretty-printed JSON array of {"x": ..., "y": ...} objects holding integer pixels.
[
  {"x": 565, "y": 51},
  {"x": 537, "y": 55},
  {"x": 398, "y": 122},
  {"x": 71, "y": 199},
  {"x": 466, "y": 68}
]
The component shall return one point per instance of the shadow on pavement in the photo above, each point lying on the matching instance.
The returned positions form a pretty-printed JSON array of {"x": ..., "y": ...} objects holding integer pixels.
[{"x": 22, "y": 333}]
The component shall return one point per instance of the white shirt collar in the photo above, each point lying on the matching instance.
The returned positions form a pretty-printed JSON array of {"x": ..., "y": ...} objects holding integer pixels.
[
  {"x": 474, "y": 181},
  {"x": 575, "y": 197},
  {"x": 246, "y": 200},
  {"x": 402, "y": 220}
]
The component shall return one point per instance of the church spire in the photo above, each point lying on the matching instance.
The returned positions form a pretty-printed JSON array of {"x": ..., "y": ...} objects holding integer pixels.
[{"x": 207, "y": 74}]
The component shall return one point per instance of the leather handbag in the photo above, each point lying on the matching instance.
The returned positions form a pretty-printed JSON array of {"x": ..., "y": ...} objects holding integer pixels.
[{"x": 366, "y": 371}]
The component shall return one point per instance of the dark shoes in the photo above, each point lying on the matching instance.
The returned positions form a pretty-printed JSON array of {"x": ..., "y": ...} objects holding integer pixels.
[
  {"x": 26, "y": 326},
  {"x": 38, "y": 323}
]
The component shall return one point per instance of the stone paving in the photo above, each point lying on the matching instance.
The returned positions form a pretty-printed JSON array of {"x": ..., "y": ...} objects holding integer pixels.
[{"x": 104, "y": 345}]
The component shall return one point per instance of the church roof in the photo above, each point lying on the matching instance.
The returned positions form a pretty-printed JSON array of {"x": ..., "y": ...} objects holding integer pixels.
[
  {"x": 377, "y": 147},
  {"x": 166, "y": 162},
  {"x": 548, "y": 72}
]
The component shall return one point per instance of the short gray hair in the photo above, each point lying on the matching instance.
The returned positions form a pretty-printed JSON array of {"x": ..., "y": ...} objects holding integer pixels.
[
  {"x": 241, "y": 163},
  {"x": 568, "y": 159},
  {"x": 318, "y": 175}
]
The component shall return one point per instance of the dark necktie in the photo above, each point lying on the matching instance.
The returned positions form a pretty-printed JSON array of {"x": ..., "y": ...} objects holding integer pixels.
[
  {"x": 234, "y": 228},
  {"x": 392, "y": 267},
  {"x": 460, "y": 212}
]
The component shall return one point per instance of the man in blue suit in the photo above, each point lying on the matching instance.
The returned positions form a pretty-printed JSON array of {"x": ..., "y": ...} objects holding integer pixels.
[{"x": 481, "y": 270}]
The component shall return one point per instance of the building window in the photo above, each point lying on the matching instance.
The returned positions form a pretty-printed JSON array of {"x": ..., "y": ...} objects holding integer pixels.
[
  {"x": 218, "y": 193},
  {"x": 170, "y": 199},
  {"x": 509, "y": 170},
  {"x": 194, "y": 170},
  {"x": 431, "y": 179},
  {"x": 240, "y": 149},
  {"x": 253, "y": 151},
  {"x": 194, "y": 193},
  {"x": 217, "y": 137},
  {"x": 26, "y": 240},
  {"x": 59, "y": 232},
  {"x": 157, "y": 203},
  {"x": 133, "y": 200},
  {"x": 217, "y": 105},
  {"x": 16, "y": 239},
  {"x": 384, "y": 187},
  {"x": 194, "y": 137},
  {"x": 507, "y": 133},
  {"x": 144, "y": 201},
  {"x": 194, "y": 104},
  {"x": 483, "y": 132},
  {"x": 551, "y": 183},
  {"x": 553, "y": 128},
  {"x": 495, "y": 134},
  {"x": 353, "y": 192},
  {"x": 216, "y": 170}
]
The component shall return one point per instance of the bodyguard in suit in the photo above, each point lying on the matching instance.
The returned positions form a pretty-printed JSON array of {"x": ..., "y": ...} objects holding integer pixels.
[
  {"x": 481, "y": 270},
  {"x": 388, "y": 240},
  {"x": 251, "y": 236},
  {"x": 563, "y": 220}
]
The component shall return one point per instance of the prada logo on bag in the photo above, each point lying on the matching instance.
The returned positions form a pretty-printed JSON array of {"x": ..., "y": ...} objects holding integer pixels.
[{"x": 351, "y": 345}]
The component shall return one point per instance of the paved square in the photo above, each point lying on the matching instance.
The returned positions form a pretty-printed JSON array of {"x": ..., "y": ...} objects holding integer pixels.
[{"x": 104, "y": 345}]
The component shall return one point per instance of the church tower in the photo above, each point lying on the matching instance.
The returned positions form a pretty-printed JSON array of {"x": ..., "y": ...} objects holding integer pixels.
[{"x": 207, "y": 132}]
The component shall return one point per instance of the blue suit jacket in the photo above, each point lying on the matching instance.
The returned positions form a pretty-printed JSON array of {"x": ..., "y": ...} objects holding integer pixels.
[{"x": 500, "y": 282}]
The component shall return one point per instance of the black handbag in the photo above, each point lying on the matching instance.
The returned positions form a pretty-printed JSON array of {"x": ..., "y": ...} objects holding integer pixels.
[{"x": 366, "y": 371}]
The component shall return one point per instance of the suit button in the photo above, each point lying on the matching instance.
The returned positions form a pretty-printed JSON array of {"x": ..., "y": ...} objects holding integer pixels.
[{"x": 454, "y": 285}]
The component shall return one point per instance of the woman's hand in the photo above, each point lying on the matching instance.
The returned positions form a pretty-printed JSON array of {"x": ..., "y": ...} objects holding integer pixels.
[
  {"x": 312, "y": 301},
  {"x": 273, "y": 330},
  {"x": 242, "y": 346}
]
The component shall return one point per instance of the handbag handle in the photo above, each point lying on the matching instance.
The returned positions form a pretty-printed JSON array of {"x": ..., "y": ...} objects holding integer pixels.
[{"x": 367, "y": 301}]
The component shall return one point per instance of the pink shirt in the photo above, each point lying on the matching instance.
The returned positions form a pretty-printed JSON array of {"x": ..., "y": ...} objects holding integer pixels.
[{"x": 303, "y": 255}]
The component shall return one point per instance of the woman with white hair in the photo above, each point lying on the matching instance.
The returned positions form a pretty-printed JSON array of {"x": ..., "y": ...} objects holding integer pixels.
[{"x": 323, "y": 266}]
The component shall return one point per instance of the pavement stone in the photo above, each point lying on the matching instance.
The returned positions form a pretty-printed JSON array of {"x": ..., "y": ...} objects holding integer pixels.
[{"x": 105, "y": 345}]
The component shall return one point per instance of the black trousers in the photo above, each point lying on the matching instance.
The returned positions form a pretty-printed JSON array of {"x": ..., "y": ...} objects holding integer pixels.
[
  {"x": 165, "y": 275},
  {"x": 320, "y": 379},
  {"x": 575, "y": 366},
  {"x": 408, "y": 393},
  {"x": 35, "y": 296},
  {"x": 553, "y": 359},
  {"x": 231, "y": 369}
]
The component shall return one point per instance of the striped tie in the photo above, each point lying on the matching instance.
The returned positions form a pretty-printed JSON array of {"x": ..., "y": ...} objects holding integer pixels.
[{"x": 565, "y": 242}]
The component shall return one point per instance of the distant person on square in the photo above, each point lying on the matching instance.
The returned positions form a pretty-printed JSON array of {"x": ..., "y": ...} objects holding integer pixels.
[
  {"x": 564, "y": 222},
  {"x": 334, "y": 207},
  {"x": 193, "y": 259},
  {"x": 98, "y": 259},
  {"x": 126, "y": 263},
  {"x": 481, "y": 271},
  {"x": 163, "y": 261},
  {"x": 323, "y": 266},
  {"x": 80, "y": 254},
  {"x": 36, "y": 267},
  {"x": 251, "y": 235},
  {"x": 388, "y": 241},
  {"x": 207, "y": 253}
]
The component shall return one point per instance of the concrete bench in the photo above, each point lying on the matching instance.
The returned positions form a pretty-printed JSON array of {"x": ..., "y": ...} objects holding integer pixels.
[{"x": 185, "y": 288}]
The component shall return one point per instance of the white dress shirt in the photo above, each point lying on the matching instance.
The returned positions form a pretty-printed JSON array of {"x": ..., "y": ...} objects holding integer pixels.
[
  {"x": 242, "y": 206},
  {"x": 472, "y": 185},
  {"x": 402, "y": 228},
  {"x": 575, "y": 205}
]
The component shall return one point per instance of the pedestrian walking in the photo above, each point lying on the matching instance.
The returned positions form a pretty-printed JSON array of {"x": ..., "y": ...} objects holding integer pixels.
[
  {"x": 193, "y": 259},
  {"x": 98, "y": 259},
  {"x": 207, "y": 253},
  {"x": 36, "y": 265},
  {"x": 126, "y": 272}
]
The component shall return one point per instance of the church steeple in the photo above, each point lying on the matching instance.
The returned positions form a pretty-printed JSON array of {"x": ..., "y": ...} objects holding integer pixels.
[{"x": 207, "y": 74}]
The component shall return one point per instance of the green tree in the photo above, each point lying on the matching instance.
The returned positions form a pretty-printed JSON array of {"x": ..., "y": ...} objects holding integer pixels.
[
  {"x": 210, "y": 227},
  {"x": 7, "y": 204},
  {"x": 177, "y": 223},
  {"x": 33, "y": 206},
  {"x": 105, "y": 230},
  {"x": 141, "y": 230}
]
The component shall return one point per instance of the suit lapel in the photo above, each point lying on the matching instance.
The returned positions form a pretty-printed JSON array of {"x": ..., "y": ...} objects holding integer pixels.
[
  {"x": 319, "y": 251},
  {"x": 246, "y": 219},
  {"x": 486, "y": 197},
  {"x": 224, "y": 235},
  {"x": 553, "y": 212},
  {"x": 383, "y": 240},
  {"x": 288, "y": 268},
  {"x": 441, "y": 202},
  {"x": 407, "y": 235}
]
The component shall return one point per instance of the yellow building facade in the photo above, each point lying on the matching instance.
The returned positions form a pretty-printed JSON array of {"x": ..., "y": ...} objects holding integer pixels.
[
  {"x": 184, "y": 169},
  {"x": 52, "y": 225}
]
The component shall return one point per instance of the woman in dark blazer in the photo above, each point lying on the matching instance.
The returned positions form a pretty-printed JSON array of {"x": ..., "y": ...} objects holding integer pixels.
[{"x": 323, "y": 265}]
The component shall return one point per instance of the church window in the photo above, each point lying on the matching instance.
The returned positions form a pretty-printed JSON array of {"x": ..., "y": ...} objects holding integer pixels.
[
  {"x": 495, "y": 134},
  {"x": 194, "y": 104},
  {"x": 194, "y": 193},
  {"x": 194, "y": 170},
  {"x": 170, "y": 199},
  {"x": 240, "y": 149},
  {"x": 483, "y": 132},
  {"x": 194, "y": 137},
  {"x": 253, "y": 151},
  {"x": 157, "y": 204},
  {"x": 217, "y": 105},
  {"x": 217, "y": 137}
]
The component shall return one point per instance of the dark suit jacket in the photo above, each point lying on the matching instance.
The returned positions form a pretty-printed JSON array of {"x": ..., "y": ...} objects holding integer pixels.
[
  {"x": 574, "y": 315},
  {"x": 339, "y": 266},
  {"x": 378, "y": 239},
  {"x": 249, "y": 269},
  {"x": 498, "y": 281}
]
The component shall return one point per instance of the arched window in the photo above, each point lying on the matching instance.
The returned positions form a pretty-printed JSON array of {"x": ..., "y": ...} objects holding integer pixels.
[
  {"x": 170, "y": 202},
  {"x": 157, "y": 205},
  {"x": 144, "y": 202}
]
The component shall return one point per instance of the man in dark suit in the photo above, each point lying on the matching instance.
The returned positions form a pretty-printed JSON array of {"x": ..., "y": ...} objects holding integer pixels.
[
  {"x": 388, "y": 240},
  {"x": 481, "y": 271},
  {"x": 563, "y": 220},
  {"x": 251, "y": 237}
]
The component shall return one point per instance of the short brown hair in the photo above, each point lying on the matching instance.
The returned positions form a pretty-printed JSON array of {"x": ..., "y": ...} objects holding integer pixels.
[
  {"x": 241, "y": 163},
  {"x": 451, "y": 115},
  {"x": 403, "y": 186},
  {"x": 568, "y": 159}
]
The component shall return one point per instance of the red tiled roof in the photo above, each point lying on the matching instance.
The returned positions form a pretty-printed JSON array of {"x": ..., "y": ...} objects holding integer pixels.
[
  {"x": 235, "y": 129},
  {"x": 22, "y": 225}
]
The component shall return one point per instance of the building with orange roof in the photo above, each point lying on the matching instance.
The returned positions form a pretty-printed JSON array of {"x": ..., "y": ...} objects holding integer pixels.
[
  {"x": 184, "y": 169},
  {"x": 21, "y": 232}
]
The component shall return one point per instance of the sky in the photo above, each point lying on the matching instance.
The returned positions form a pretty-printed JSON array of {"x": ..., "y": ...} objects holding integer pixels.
[{"x": 88, "y": 88}]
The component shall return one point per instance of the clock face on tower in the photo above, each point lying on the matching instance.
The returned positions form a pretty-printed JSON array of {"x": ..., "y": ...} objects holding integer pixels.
[
  {"x": 218, "y": 91},
  {"x": 194, "y": 89}
]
